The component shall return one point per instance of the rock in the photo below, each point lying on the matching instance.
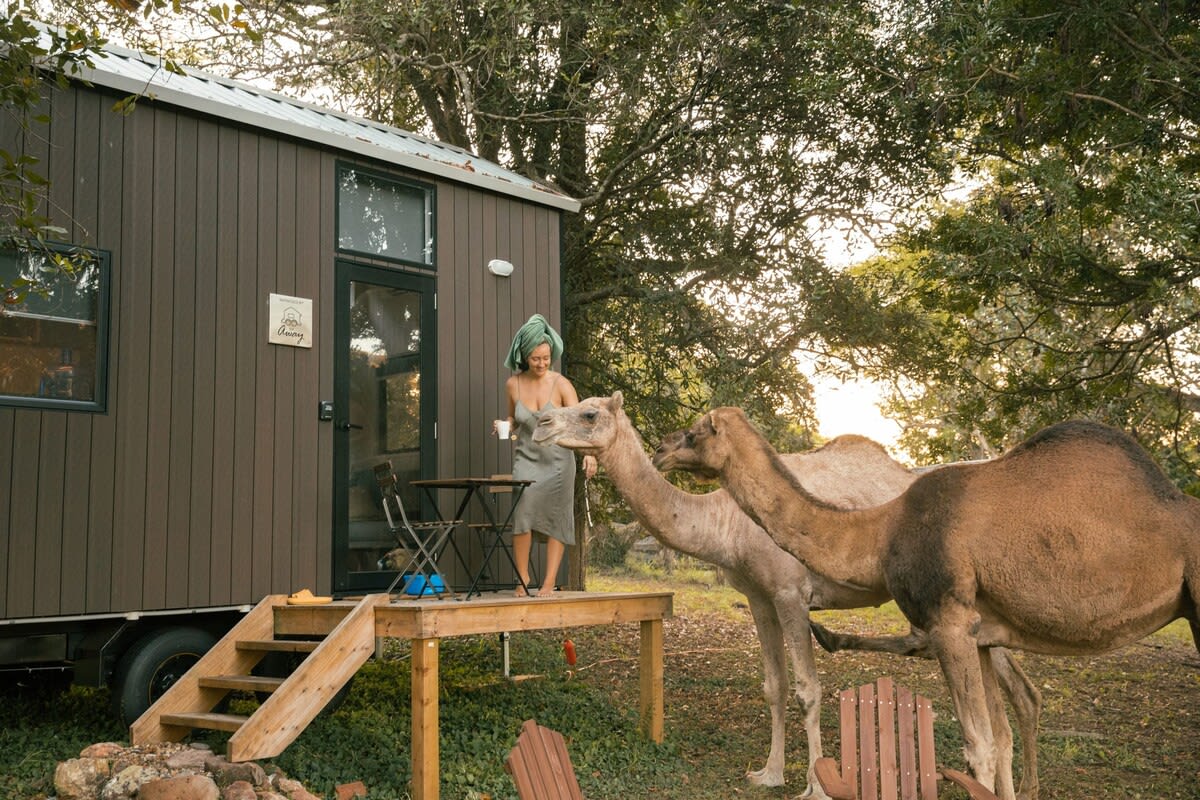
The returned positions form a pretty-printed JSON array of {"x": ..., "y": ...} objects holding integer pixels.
[
  {"x": 188, "y": 759},
  {"x": 101, "y": 750},
  {"x": 170, "y": 771},
  {"x": 349, "y": 791},
  {"x": 181, "y": 787},
  {"x": 80, "y": 778},
  {"x": 126, "y": 783},
  {"x": 247, "y": 771},
  {"x": 239, "y": 790}
]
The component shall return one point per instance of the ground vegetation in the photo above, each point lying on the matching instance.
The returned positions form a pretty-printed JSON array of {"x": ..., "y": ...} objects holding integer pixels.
[{"x": 1118, "y": 726}]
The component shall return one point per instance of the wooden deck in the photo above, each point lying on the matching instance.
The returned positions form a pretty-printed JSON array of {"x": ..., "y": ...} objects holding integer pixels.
[
  {"x": 339, "y": 637},
  {"x": 425, "y": 621}
]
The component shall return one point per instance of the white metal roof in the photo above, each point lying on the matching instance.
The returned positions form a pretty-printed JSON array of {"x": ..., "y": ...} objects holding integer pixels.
[{"x": 137, "y": 73}]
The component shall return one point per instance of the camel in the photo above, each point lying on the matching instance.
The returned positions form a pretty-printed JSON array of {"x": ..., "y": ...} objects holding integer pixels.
[
  {"x": 850, "y": 470},
  {"x": 1073, "y": 543}
]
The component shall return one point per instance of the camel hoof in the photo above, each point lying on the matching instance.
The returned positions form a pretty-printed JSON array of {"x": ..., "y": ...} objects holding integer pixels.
[
  {"x": 765, "y": 777},
  {"x": 814, "y": 792}
]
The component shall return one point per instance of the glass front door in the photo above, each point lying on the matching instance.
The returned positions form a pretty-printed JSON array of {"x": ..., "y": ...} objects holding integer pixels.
[{"x": 383, "y": 411}]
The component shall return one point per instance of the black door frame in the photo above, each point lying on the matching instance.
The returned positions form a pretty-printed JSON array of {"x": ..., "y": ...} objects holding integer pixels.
[{"x": 347, "y": 272}]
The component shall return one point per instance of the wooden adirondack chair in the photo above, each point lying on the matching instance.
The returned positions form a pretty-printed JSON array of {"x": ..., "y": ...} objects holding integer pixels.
[
  {"x": 540, "y": 765},
  {"x": 877, "y": 725}
]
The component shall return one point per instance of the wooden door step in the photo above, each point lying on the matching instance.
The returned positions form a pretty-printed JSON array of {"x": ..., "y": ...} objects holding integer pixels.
[
  {"x": 242, "y": 683},
  {"x": 208, "y": 721},
  {"x": 278, "y": 645}
]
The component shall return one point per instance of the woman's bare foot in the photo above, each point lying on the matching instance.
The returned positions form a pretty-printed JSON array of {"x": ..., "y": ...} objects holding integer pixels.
[
  {"x": 547, "y": 591},
  {"x": 520, "y": 591}
]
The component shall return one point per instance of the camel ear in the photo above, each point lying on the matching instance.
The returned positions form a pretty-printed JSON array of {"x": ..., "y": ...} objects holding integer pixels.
[
  {"x": 616, "y": 401},
  {"x": 714, "y": 420}
]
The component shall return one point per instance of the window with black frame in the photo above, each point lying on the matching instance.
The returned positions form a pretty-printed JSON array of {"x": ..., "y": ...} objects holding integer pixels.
[
  {"x": 384, "y": 217},
  {"x": 53, "y": 327}
]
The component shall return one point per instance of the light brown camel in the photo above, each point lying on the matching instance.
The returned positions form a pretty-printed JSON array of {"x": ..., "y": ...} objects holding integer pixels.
[
  {"x": 1073, "y": 543},
  {"x": 851, "y": 471}
]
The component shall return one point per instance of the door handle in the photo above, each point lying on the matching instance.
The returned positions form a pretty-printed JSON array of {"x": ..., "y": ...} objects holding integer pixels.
[{"x": 345, "y": 426}]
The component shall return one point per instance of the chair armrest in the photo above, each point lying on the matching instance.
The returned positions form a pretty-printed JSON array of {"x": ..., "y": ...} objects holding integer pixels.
[
  {"x": 974, "y": 788},
  {"x": 829, "y": 775}
]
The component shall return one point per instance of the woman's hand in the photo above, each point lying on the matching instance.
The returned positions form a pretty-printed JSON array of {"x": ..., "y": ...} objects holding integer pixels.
[{"x": 589, "y": 466}]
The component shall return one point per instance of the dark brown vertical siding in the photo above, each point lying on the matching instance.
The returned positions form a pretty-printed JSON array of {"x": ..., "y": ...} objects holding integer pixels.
[
  {"x": 159, "y": 540},
  {"x": 283, "y": 419},
  {"x": 227, "y": 235},
  {"x": 198, "y": 492},
  {"x": 132, "y": 308},
  {"x": 263, "y": 409},
  {"x": 182, "y": 336},
  {"x": 23, "y": 513},
  {"x": 102, "y": 478},
  {"x": 302, "y": 473},
  {"x": 245, "y": 355}
]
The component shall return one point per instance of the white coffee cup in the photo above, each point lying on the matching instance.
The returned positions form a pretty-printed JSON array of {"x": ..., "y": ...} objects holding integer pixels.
[{"x": 502, "y": 428}]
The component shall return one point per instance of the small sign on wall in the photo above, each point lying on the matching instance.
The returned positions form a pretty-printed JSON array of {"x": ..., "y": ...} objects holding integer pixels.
[{"x": 290, "y": 321}]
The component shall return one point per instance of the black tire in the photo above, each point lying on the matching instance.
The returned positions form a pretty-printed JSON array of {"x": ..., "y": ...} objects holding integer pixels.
[{"x": 152, "y": 664}]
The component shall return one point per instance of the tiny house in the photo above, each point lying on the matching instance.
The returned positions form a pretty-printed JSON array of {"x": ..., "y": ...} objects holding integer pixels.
[{"x": 277, "y": 297}]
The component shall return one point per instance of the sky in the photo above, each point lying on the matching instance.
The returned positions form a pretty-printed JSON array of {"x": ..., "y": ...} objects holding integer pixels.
[{"x": 853, "y": 407}]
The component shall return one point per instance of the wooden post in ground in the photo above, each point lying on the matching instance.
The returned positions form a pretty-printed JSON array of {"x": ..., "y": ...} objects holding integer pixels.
[
  {"x": 425, "y": 775},
  {"x": 651, "y": 679}
]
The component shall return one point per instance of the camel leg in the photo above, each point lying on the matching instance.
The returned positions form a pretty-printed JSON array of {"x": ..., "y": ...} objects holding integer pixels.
[
  {"x": 770, "y": 642},
  {"x": 1026, "y": 701},
  {"x": 960, "y": 660},
  {"x": 1001, "y": 730},
  {"x": 793, "y": 614},
  {"x": 914, "y": 643},
  {"x": 1024, "y": 697}
]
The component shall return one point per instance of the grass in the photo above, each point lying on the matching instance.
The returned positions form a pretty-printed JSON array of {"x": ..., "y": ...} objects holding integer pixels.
[{"x": 1122, "y": 725}]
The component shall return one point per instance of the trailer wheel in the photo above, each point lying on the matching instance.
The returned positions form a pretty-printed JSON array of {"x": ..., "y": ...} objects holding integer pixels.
[{"x": 152, "y": 664}]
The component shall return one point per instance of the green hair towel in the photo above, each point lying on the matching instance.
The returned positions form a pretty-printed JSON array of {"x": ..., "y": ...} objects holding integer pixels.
[{"x": 529, "y": 336}]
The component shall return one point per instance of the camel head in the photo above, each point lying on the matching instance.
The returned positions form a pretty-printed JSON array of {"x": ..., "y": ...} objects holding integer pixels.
[
  {"x": 590, "y": 426},
  {"x": 702, "y": 449}
]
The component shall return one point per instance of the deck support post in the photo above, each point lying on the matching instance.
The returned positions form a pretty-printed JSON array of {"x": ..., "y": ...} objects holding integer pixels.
[
  {"x": 651, "y": 679},
  {"x": 425, "y": 777}
]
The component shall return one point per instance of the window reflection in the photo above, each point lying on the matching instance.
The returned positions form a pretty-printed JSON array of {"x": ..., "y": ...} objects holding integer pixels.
[
  {"x": 51, "y": 326},
  {"x": 384, "y": 217}
]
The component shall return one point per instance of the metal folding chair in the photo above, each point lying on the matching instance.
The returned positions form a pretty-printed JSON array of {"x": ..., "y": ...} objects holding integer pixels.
[{"x": 425, "y": 541}]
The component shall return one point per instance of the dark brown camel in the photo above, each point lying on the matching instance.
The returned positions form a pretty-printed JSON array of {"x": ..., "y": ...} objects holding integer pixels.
[{"x": 1073, "y": 543}]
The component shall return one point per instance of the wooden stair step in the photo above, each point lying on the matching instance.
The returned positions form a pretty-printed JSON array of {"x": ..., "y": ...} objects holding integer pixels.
[
  {"x": 278, "y": 645},
  {"x": 246, "y": 683},
  {"x": 207, "y": 720}
]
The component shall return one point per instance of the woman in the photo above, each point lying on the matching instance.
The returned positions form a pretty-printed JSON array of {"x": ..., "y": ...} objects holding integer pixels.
[{"x": 548, "y": 504}]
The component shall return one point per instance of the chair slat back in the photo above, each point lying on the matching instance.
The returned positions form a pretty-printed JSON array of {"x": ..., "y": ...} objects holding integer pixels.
[
  {"x": 887, "y": 750},
  {"x": 540, "y": 765}
]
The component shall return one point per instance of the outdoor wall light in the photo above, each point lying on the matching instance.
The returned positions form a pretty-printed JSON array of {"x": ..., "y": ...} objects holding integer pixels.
[{"x": 500, "y": 267}]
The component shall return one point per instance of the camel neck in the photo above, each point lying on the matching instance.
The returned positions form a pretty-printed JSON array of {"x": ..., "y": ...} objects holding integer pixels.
[
  {"x": 683, "y": 521},
  {"x": 842, "y": 545}
]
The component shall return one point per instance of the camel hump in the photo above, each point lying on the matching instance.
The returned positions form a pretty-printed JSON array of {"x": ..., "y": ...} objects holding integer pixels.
[
  {"x": 852, "y": 441},
  {"x": 1100, "y": 438}
]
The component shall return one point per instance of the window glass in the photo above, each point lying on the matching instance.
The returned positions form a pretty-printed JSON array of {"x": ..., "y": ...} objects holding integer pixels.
[
  {"x": 383, "y": 217},
  {"x": 52, "y": 330}
]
